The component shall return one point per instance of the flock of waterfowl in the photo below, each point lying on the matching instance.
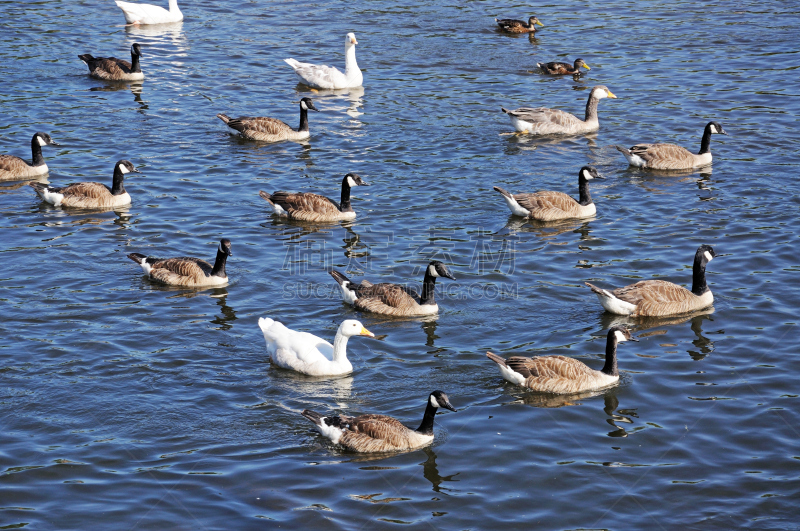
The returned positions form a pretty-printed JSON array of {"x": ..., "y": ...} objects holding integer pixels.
[{"x": 308, "y": 354}]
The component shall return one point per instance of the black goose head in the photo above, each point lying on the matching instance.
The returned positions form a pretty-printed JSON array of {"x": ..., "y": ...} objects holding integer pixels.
[
  {"x": 126, "y": 166},
  {"x": 716, "y": 127},
  {"x": 534, "y": 20},
  {"x": 579, "y": 63},
  {"x": 621, "y": 334},
  {"x": 306, "y": 103},
  {"x": 438, "y": 269},
  {"x": 439, "y": 399},
  {"x": 225, "y": 247},
  {"x": 705, "y": 253},
  {"x": 44, "y": 139},
  {"x": 353, "y": 179},
  {"x": 589, "y": 172},
  {"x": 136, "y": 49}
]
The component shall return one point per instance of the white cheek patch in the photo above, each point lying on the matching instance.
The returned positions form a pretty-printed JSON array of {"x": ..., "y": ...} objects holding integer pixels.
[
  {"x": 708, "y": 256},
  {"x": 303, "y": 106},
  {"x": 600, "y": 94},
  {"x": 714, "y": 128},
  {"x": 123, "y": 169},
  {"x": 351, "y": 182},
  {"x": 41, "y": 140},
  {"x": 620, "y": 336},
  {"x": 586, "y": 175},
  {"x": 432, "y": 271},
  {"x": 434, "y": 402}
]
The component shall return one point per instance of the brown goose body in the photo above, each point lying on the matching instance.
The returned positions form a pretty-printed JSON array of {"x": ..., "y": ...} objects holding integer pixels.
[
  {"x": 13, "y": 168},
  {"x": 511, "y": 25},
  {"x": 89, "y": 194},
  {"x": 394, "y": 299},
  {"x": 271, "y": 129},
  {"x": 551, "y": 206},
  {"x": 562, "y": 375},
  {"x": 306, "y": 206},
  {"x": 658, "y": 298},
  {"x": 671, "y": 156},
  {"x": 379, "y": 433},
  {"x": 113, "y": 69},
  {"x": 186, "y": 271},
  {"x": 558, "y": 68},
  {"x": 544, "y": 121}
]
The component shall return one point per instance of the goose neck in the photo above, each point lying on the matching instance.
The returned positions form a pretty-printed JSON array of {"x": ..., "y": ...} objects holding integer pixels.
[
  {"x": 173, "y": 6},
  {"x": 583, "y": 190},
  {"x": 303, "y": 119},
  {"x": 36, "y": 152},
  {"x": 219, "y": 264},
  {"x": 699, "y": 285},
  {"x": 591, "y": 108},
  {"x": 135, "y": 68},
  {"x": 118, "y": 184},
  {"x": 350, "y": 64},
  {"x": 340, "y": 347},
  {"x": 344, "y": 205},
  {"x": 428, "y": 289},
  {"x": 610, "y": 367},
  {"x": 426, "y": 426},
  {"x": 705, "y": 143}
]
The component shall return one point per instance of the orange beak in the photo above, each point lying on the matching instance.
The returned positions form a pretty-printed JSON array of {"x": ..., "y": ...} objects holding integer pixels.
[{"x": 365, "y": 332}]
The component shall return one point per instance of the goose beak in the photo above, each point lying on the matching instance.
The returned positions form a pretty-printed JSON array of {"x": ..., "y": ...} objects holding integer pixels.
[
  {"x": 136, "y": 170},
  {"x": 598, "y": 176},
  {"x": 353, "y": 41},
  {"x": 450, "y": 276},
  {"x": 55, "y": 144},
  {"x": 448, "y": 405},
  {"x": 611, "y": 95},
  {"x": 587, "y": 68},
  {"x": 365, "y": 332},
  {"x": 633, "y": 339}
]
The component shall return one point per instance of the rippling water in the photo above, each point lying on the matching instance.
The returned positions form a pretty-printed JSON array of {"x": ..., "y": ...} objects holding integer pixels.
[{"x": 130, "y": 405}]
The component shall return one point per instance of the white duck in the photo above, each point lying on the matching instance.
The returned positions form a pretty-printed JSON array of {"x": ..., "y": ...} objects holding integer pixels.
[
  {"x": 329, "y": 77},
  {"x": 307, "y": 353},
  {"x": 150, "y": 14}
]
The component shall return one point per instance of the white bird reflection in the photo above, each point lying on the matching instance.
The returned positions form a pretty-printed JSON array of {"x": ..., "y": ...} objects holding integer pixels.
[
  {"x": 351, "y": 95},
  {"x": 172, "y": 31}
]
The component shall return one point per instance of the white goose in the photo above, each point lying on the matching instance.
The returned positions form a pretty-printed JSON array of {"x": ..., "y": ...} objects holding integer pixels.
[
  {"x": 329, "y": 77},
  {"x": 307, "y": 353},
  {"x": 150, "y": 14}
]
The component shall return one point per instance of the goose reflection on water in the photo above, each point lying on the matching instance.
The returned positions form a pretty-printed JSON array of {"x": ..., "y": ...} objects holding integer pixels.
[
  {"x": 353, "y": 97},
  {"x": 227, "y": 316},
  {"x": 704, "y": 345},
  {"x": 547, "y": 229},
  {"x": 136, "y": 88}
]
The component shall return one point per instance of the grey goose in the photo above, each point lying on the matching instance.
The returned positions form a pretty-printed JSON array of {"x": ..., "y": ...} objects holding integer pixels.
[{"x": 544, "y": 121}]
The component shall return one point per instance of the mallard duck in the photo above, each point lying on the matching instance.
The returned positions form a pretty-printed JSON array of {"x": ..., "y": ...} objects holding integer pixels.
[
  {"x": 112, "y": 69},
  {"x": 543, "y": 121},
  {"x": 518, "y": 26},
  {"x": 561, "y": 375},
  {"x": 379, "y": 433},
  {"x": 671, "y": 156},
  {"x": 150, "y": 14},
  {"x": 271, "y": 129},
  {"x": 187, "y": 271},
  {"x": 307, "y": 353},
  {"x": 556, "y": 68},
  {"x": 90, "y": 194},
  {"x": 305, "y": 206},
  {"x": 12, "y": 168},
  {"x": 550, "y": 206},
  {"x": 394, "y": 299},
  {"x": 329, "y": 77},
  {"x": 658, "y": 298}
]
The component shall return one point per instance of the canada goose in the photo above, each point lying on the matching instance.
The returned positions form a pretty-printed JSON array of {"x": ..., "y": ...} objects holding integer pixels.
[
  {"x": 305, "y": 206},
  {"x": 543, "y": 121},
  {"x": 271, "y": 129},
  {"x": 557, "y": 68},
  {"x": 112, "y": 69},
  {"x": 379, "y": 433},
  {"x": 657, "y": 298},
  {"x": 671, "y": 156},
  {"x": 561, "y": 375},
  {"x": 89, "y": 195},
  {"x": 329, "y": 77},
  {"x": 549, "y": 206},
  {"x": 150, "y": 14},
  {"x": 187, "y": 271},
  {"x": 307, "y": 353},
  {"x": 12, "y": 168},
  {"x": 394, "y": 299},
  {"x": 518, "y": 26}
]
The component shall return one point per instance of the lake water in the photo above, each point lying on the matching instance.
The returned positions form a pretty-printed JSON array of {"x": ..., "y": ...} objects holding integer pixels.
[{"x": 127, "y": 405}]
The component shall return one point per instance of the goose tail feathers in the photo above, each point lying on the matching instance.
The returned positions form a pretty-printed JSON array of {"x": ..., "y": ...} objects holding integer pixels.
[{"x": 497, "y": 359}]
